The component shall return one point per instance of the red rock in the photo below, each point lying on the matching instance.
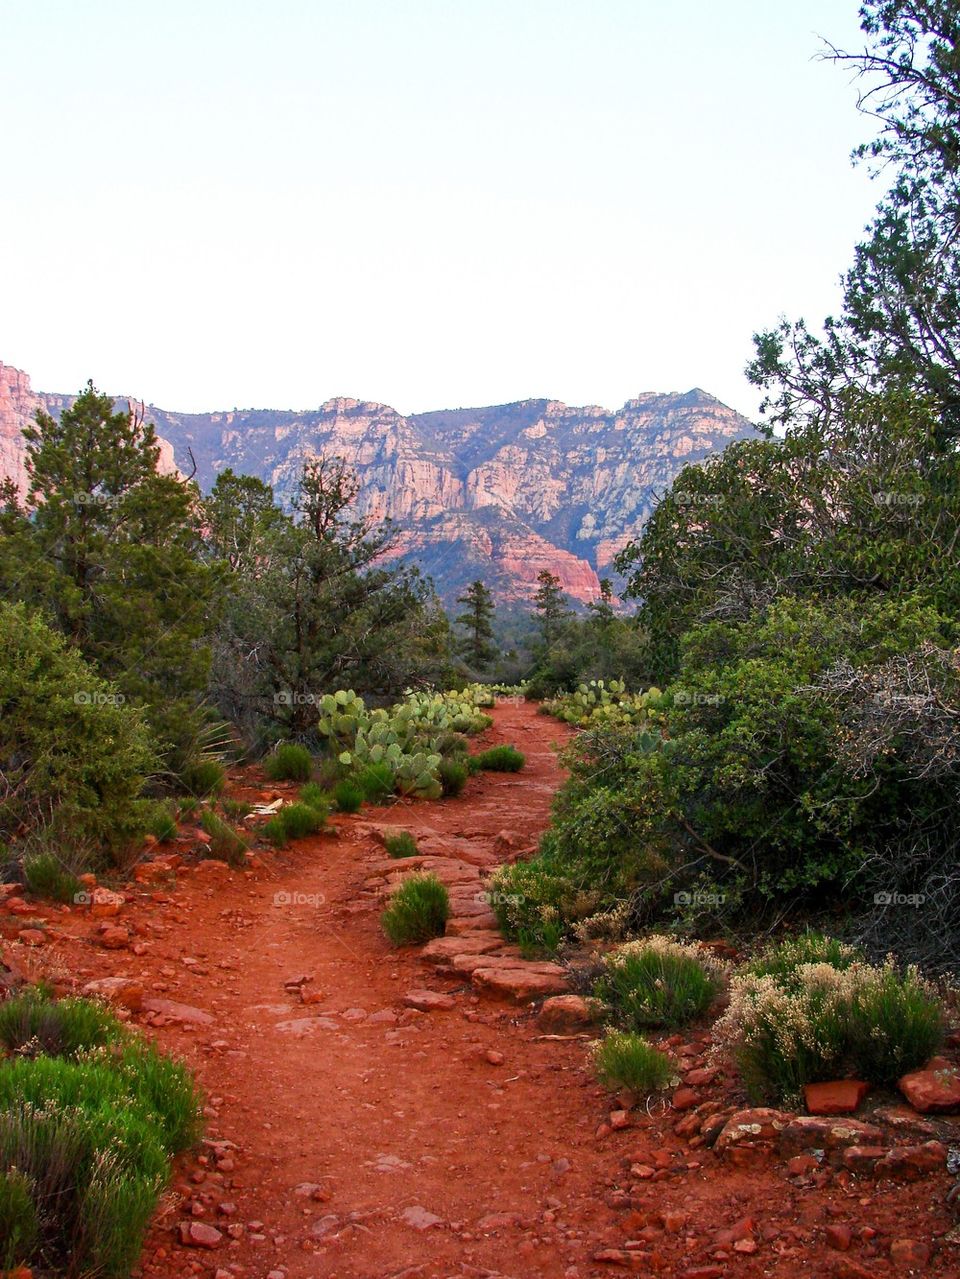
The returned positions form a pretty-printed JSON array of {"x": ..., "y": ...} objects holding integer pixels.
[
  {"x": 520, "y": 984},
  {"x": 702, "y": 1272},
  {"x": 429, "y": 1001},
  {"x": 801, "y": 1165},
  {"x": 494, "y": 1057},
  {"x": 839, "y": 1097},
  {"x": 745, "y": 1246},
  {"x": 104, "y": 904},
  {"x": 113, "y": 938},
  {"x": 32, "y": 936},
  {"x": 117, "y": 990},
  {"x": 908, "y": 1163},
  {"x": 701, "y": 1077},
  {"x": 685, "y": 1099},
  {"x": 443, "y": 950},
  {"x": 619, "y": 1119},
  {"x": 862, "y": 1159},
  {"x": 177, "y": 1012},
  {"x": 910, "y": 1253},
  {"x": 932, "y": 1091},
  {"x": 751, "y": 1130},
  {"x": 565, "y": 1013},
  {"x": 839, "y": 1237},
  {"x": 195, "y": 1234},
  {"x": 811, "y": 1132}
]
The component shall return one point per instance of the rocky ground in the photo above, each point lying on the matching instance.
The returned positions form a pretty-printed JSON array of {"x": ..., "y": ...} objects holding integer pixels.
[{"x": 422, "y": 1113}]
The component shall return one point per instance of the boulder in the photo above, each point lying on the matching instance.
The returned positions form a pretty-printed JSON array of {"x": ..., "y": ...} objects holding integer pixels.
[
  {"x": 562, "y": 1014},
  {"x": 839, "y": 1097},
  {"x": 932, "y": 1091}
]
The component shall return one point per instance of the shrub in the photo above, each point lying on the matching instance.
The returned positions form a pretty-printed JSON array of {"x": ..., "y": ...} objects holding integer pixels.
[
  {"x": 783, "y": 959},
  {"x": 203, "y": 778},
  {"x": 376, "y": 781},
  {"x": 657, "y": 982},
  {"x": 624, "y": 1059},
  {"x": 453, "y": 776},
  {"x": 817, "y": 1022},
  {"x": 225, "y": 842},
  {"x": 402, "y": 844},
  {"x": 538, "y": 901},
  {"x": 300, "y": 820},
  {"x": 275, "y": 832},
  {"x": 418, "y": 910},
  {"x": 500, "y": 759},
  {"x": 46, "y": 876},
  {"x": 19, "y": 1224},
  {"x": 348, "y": 796},
  {"x": 73, "y": 755},
  {"x": 288, "y": 762},
  {"x": 31, "y": 1022},
  {"x": 236, "y": 809},
  {"x": 317, "y": 798},
  {"x": 162, "y": 821}
]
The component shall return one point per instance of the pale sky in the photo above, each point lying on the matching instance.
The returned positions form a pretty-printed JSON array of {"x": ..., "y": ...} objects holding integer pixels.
[{"x": 432, "y": 203}]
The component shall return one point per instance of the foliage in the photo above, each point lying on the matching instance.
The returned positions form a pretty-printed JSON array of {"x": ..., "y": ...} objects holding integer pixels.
[
  {"x": 313, "y": 794},
  {"x": 453, "y": 776},
  {"x": 551, "y": 607},
  {"x": 204, "y": 778},
  {"x": 500, "y": 759},
  {"x": 347, "y": 796},
  {"x": 236, "y": 809},
  {"x": 376, "y": 781},
  {"x": 74, "y": 756},
  {"x": 225, "y": 841},
  {"x": 624, "y": 1059},
  {"x": 299, "y": 820},
  {"x": 602, "y": 702},
  {"x": 288, "y": 762},
  {"x": 46, "y": 876},
  {"x": 805, "y": 1022},
  {"x": 161, "y": 821},
  {"x": 31, "y": 1023},
  {"x": 477, "y": 646},
  {"x": 402, "y": 844},
  {"x": 657, "y": 981},
  {"x": 418, "y": 910}
]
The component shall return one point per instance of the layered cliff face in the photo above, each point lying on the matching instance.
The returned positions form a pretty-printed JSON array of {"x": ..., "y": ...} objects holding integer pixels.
[{"x": 498, "y": 493}]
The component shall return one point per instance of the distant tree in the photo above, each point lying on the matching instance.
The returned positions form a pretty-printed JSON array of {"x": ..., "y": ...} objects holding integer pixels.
[
  {"x": 551, "y": 609},
  {"x": 477, "y": 646},
  {"x": 239, "y": 515}
]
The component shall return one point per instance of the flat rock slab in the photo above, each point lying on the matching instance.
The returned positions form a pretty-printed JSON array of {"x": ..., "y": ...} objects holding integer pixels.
[
  {"x": 301, "y": 1026},
  {"x": 839, "y": 1097},
  {"x": 177, "y": 1012},
  {"x": 444, "y": 949},
  {"x": 463, "y": 925},
  {"x": 428, "y": 1001},
  {"x": 419, "y": 1218},
  {"x": 520, "y": 984}
]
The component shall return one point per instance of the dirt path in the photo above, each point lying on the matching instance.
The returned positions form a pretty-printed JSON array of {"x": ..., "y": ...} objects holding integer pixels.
[{"x": 373, "y": 1140}]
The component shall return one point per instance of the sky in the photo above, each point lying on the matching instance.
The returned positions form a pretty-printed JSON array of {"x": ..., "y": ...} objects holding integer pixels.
[{"x": 216, "y": 204}]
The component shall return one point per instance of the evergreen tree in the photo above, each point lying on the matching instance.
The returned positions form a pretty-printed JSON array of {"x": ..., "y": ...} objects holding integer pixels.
[
  {"x": 477, "y": 646},
  {"x": 551, "y": 609}
]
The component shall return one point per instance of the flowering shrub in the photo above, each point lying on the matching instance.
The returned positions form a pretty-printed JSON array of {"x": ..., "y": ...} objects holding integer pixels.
[
  {"x": 656, "y": 981},
  {"x": 812, "y": 1021}
]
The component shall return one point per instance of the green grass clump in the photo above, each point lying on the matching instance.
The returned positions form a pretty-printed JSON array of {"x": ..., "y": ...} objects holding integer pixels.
[
  {"x": 204, "y": 778},
  {"x": 32, "y": 1023},
  {"x": 236, "y": 809},
  {"x": 300, "y": 820},
  {"x": 500, "y": 759},
  {"x": 348, "y": 796},
  {"x": 453, "y": 775},
  {"x": 782, "y": 959},
  {"x": 85, "y": 1141},
  {"x": 402, "y": 844},
  {"x": 313, "y": 794},
  {"x": 657, "y": 982},
  {"x": 418, "y": 910},
  {"x": 46, "y": 876},
  {"x": 377, "y": 782},
  {"x": 624, "y": 1059},
  {"x": 162, "y": 821},
  {"x": 288, "y": 762},
  {"x": 275, "y": 831},
  {"x": 226, "y": 843}
]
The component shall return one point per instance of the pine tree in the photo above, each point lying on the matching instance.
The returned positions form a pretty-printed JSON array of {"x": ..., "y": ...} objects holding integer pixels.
[
  {"x": 477, "y": 646},
  {"x": 551, "y": 610}
]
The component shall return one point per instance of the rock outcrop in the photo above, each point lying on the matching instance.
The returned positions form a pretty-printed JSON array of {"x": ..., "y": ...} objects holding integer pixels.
[{"x": 498, "y": 492}]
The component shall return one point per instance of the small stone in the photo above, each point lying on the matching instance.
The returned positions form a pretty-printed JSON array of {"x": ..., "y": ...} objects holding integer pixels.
[
  {"x": 619, "y": 1119},
  {"x": 911, "y": 1254},
  {"x": 839, "y": 1097},
  {"x": 494, "y": 1057},
  {"x": 104, "y": 904},
  {"x": 112, "y": 937},
  {"x": 123, "y": 991},
  {"x": 195, "y": 1234},
  {"x": 419, "y": 1219},
  {"x": 839, "y": 1237},
  {"x": 563, "y": 1014},
  {"x": 429, "y": 1001},
  {"x": 908, "y": 1163},
  {"x": 32, "y": 936},
  {"x": 685, "y": 1099}
]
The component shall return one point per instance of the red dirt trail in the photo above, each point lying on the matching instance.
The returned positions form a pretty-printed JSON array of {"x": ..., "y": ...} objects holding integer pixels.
[{"x": 425, "y": 1158}]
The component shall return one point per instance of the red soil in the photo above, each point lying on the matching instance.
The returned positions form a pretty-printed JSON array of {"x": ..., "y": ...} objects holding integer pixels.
[{"x": 396, "y": 1117}]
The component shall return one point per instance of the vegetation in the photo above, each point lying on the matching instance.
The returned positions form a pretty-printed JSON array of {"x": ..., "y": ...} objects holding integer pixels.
[
  {"x": 89, "y": 1119},
  {"x": 453, "y": 776},
  {"x": 477, "y": 646},
  {"x": 418, "y": 910},
  {"x": 402, "y": 844},
  {"x": 348, "y": 796},
  {"x": 288, "y": 762},
  {"x": 624, "y": 1059},
  {"x": 657, "y": 982},
  {"x": 45, "y": 875},
  {"x": 499, "y": 759},
  {"x": 225, "y": 841}
]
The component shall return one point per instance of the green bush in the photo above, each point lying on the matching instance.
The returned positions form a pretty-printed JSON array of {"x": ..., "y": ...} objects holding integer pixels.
[
  {"x": 46, "y": 876},
  {"x": 814, "y": 1022},
  {"x": 376, "y": 781},
  {"x": 783, "y": 959},
  {"x": 402, "y": 844},
  {"x": 33, "y": 1023},
  {"x": 317, "y": 798},
  {"x": 275, "y": 831},
  {"x": 657, "y": 982},
  {"x": 203, "y": 778},
  {"x": 348, "y": 796},
  {"x": 73, "y": 755},
  {"x": 162, "y": 821},
  {"x": 226, "y": 843},
  {"x": 500, "y": 759},
  {"x": 418, "y": 910},
  {"x": 236, "y": 809},
  {"x": 624, "y": 1059},
  {"x": 288, "y": 762},
  {"x": 453, "y": 776},
  {"x": 537, "y": 902},
  {"x": 300, "y": 820}
]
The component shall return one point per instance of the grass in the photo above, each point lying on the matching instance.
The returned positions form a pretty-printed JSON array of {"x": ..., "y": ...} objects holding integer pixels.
[
  {"x": 236, "y": 809},
  {"x": 46, "y": 876},
  {"x": 275, "y": 832},
  {"x": 453, "y": 776},
  {"x": 300, "y": 820},
  {"x": 624, "y": 1059},
  {"x": 782, "y": 959},
  {"x": 226, "y": 843},
  {"x": 32, "y": 1023},
  {"x": 288, "y": 762},
  {"x": 313, "y": 794},
  {"x": 204, "y": 778},
  {"x": 87, "y": 1129},
  {"x": 402, "y": 844},
  {"x": 499, "y": 759},
  {"x": 162, "y": 821},
  {"x": 348, "y": 796},
  {"x": 656, "y": 982},
  {"x": 418, "y": 910},
  {"x": 377, "y": 782}
]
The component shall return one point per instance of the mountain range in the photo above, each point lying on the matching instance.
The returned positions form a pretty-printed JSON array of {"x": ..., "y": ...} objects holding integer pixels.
[{"x": 498, "y": 493}]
